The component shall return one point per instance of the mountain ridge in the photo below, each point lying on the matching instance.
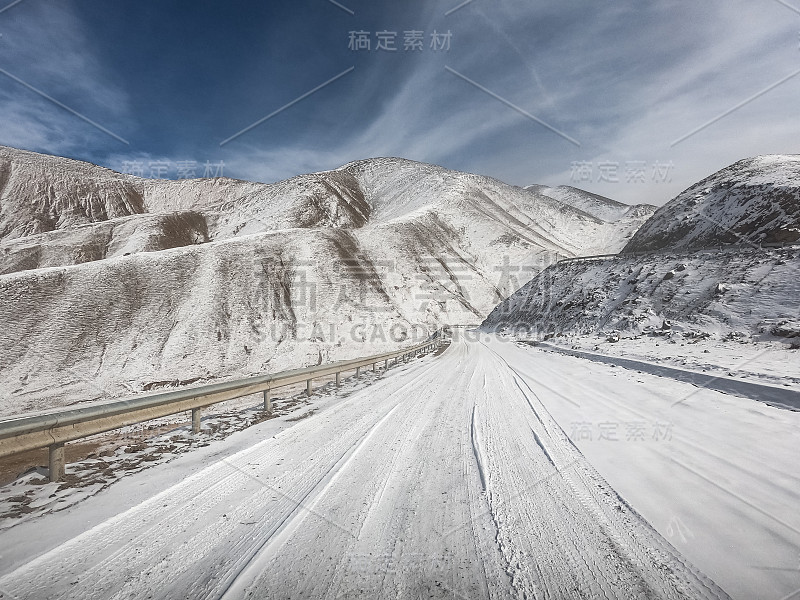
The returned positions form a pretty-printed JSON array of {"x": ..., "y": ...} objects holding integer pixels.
[
  {"x": 667, "y": 279},
  {"x": 319, "y": 267},
  {"x": 357, "y": 194}
]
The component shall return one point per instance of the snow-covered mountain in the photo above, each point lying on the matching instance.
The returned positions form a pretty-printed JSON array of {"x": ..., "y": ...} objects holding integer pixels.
[
  {"x": 674, "y": 286},
  {"x": 114, "y": 284},
  {"x": 743, "y": 293},
  {"x": 754, "y": 201},
  {"x": 598, "y": 206},
  {"x": 58, "y": 212}
]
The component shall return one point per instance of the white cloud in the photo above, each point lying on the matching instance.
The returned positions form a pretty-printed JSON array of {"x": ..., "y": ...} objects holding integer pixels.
[
  {"x": 45, "y": 45},
  {"x": 625, "y": 79}
]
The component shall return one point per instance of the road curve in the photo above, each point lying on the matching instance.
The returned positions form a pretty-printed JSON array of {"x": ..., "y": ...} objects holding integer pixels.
[{"x": 446, "y": 480}]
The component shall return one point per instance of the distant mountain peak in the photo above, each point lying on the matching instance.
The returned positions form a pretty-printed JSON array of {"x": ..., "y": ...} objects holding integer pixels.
[{"x": 605, "y": 209}]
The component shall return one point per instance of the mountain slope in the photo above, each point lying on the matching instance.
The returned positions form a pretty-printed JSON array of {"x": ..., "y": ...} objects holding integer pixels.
[
  {"x": 742, "y": 291},
  {"x": 754, "y": 201},
  {"x": 178, "y": 280},
  {"x": 739, "y": 293},
  {"x": 730, "y": 310},
  {"x": 598, "y": 206},
  {"x": 53, "y": 197},
  {"x": 41, "y": 193}
]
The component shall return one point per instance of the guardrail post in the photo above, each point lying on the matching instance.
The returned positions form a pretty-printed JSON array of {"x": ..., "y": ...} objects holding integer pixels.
[
  {"x": 42, "y": 431},
  {"x": 57, "y": 464},
  {"x": 358, "y": 371},
  {"x": 196, "y": 420}
]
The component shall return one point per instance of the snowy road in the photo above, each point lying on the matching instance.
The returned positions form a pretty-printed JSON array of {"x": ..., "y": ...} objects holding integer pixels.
[
  {"x": 716, "y": 474},
  {"x": 448, "y": 479}
]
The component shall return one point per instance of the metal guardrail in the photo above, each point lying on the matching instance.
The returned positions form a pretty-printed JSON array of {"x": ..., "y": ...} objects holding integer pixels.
[
  {"x": 724, "y": 248},
  {"x": 53, "y": 430},
  {"x": 633, "y": 254},
  {"x": 591, "y": 257}
]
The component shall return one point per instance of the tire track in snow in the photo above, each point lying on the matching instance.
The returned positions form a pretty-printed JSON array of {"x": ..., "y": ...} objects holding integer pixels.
[
  {"x": 264, "y": 554},
  {"x": 475, "y": 439},
  {"x": 606, "y": 521},
  {"x": 303, "y": 481},
  {"x": 749, "y": 479},
  {"x": 394, "y": 540},
  {"x": 456, "y": 447},
  {"x": 130, "y": 541}
]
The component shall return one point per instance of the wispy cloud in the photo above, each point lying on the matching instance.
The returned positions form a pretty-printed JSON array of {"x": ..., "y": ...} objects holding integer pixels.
[
  {"x": 60, "y": 99},
  {"x": 624, "y": 79}
]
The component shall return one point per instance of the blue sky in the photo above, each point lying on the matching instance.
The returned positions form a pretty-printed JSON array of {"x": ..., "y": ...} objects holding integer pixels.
[{"x": 580, "y": 92}]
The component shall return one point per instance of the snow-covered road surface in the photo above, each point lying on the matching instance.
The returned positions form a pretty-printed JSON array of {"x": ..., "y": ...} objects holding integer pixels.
[
  {"x": 449, "y": 479},
  {"x": 716, "y": 474},
  {"x": 781, "y": 397}
]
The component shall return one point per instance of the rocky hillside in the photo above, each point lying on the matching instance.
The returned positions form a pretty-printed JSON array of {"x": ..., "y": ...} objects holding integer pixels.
[
  {"x": 59, "y": 212},
  {"x": 752, "y": 202},
  {"x": 113, "y": 285},
  {"x": 739, "y": 293},
  {"x": 735, "y": 288}
]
